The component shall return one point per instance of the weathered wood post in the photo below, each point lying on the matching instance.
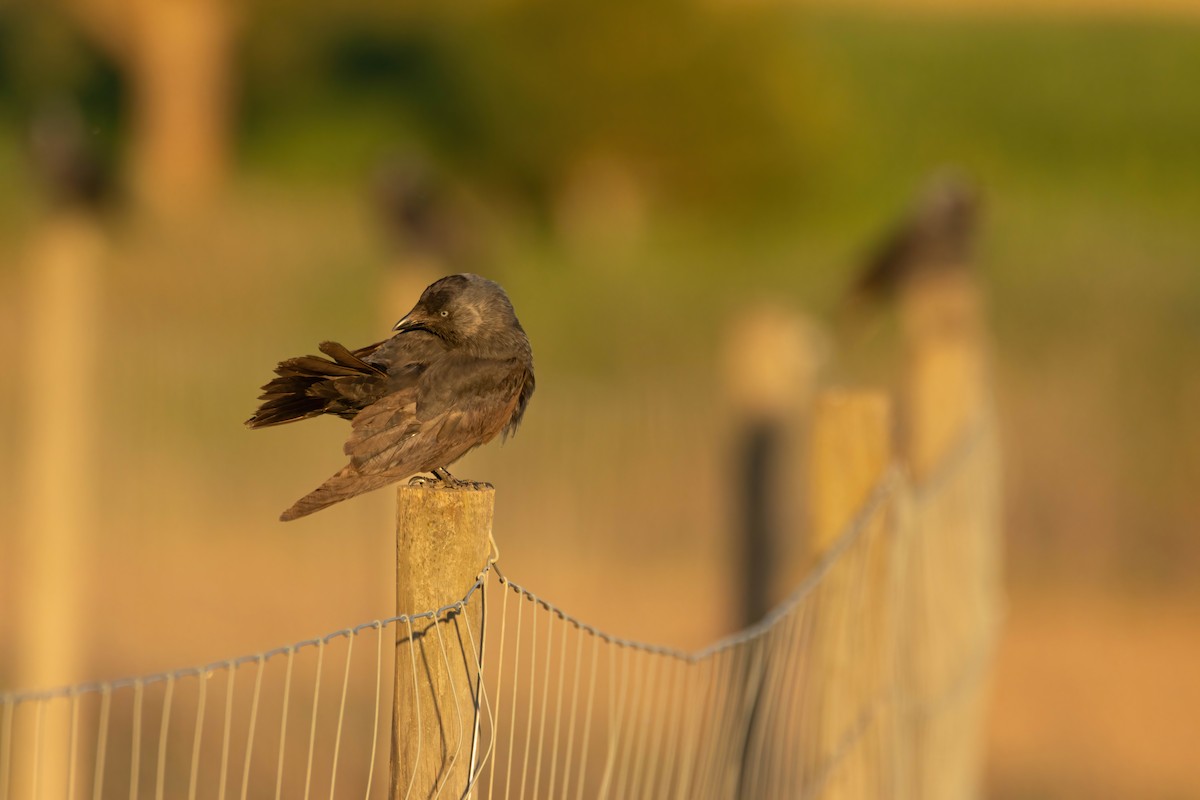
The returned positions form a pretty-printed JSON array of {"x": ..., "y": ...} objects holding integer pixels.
[
  {"x": 954, "y": 587},
  {"x": 442, "y": 543},
  {"x": 853, "y": 642}
]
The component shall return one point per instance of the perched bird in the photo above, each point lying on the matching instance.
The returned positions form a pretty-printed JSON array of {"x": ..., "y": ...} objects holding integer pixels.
[
  {"x": 457, "y": 372},
  {"x": 66, "y": 159},
  {"x": 937, "y": 235}
]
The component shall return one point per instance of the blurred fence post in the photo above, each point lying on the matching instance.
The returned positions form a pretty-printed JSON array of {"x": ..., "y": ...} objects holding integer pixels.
[
  {"x": 850, "y": 450},
  {"x": 772, "y": 359},
  {"x": 946, "y": 382},
  {"x": 59, "y": 382},
  {"x": 854, "y": 640},
  {"x": 442, "y": 543},
  {"x": 953, "y": 587},
  {"x": 180, "y": 65}
]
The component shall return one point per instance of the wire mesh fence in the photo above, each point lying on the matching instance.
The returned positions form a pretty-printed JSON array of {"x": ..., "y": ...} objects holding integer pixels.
[{"x": 868, "y": 681}]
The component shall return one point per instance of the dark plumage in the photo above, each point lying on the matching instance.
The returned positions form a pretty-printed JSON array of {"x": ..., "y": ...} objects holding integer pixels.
[
  {"x": 458, "y": 372},
  {"x": 931, "y": 244},
  {"x": 936, "y": 236}
]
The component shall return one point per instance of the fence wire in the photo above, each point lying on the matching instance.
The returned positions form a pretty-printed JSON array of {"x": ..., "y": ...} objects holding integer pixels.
[{"x": 867, "y": 682}]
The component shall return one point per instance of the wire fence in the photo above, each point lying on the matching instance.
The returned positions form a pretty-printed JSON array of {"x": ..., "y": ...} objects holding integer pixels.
[{"x": 868, "y": 681}]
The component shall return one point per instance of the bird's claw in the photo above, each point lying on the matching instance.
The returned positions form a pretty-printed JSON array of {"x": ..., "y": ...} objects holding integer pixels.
[
  {"x": 441, "y": 478},
  {"x": 472, "y": 486}
]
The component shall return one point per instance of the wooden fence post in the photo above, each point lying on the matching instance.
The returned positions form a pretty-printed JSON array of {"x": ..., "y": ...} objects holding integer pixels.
[
  {"x": 442, "y": 543},
  {"x": 954, "y": 587},
  {"x": 59, "y": 381},
  {"x": 850, "y": 450},
  {"x": 180, "y": 65},
  {"x": 854, "y": 634},
  {"x": 946, "y": 381},
  {"x": 773, "y": 357}
]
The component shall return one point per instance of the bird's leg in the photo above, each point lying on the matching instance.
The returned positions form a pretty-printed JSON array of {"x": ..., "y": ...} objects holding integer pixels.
[
  {"x": 445, "y": 480},
  {"x": 425, "y": 480},
  {"x": 438, "y": 478},
  {"x": 451, "y": 482}
]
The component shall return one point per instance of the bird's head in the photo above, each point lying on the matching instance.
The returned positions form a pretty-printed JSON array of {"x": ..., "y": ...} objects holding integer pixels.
[{"x": 464, "y": 310}]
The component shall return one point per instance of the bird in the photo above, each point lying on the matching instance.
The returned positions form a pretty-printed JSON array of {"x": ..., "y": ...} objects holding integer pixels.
[
  {"x": 457, "y": 372},
  {"x": 66, "y": 159},
  {"x": 937, "y": 234}
]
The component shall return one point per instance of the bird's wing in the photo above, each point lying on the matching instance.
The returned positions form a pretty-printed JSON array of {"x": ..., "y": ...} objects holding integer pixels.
[
  {"x": 456, "y": 404},
  {"x": 380, "y": 431}
]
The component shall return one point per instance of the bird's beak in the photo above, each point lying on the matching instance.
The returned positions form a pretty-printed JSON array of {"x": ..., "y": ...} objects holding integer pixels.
[{"x": 410, "y": 321}]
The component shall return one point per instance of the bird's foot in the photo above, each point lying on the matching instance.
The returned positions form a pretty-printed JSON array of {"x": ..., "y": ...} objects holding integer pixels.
[
  {"x": 424, "y": 480},
  {"x": 448, "y": 481}
]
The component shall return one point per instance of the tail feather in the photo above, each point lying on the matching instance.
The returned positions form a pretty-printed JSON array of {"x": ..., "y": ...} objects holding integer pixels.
[
  {"x": 307, "y": 386},
  {"x": 313, "y": 366},
  {"x": 286, "y": 405},
  {"x": 287, "y": 398},
  {"x": 345, "y": 358},
  {"x": 345, "y": 484}
]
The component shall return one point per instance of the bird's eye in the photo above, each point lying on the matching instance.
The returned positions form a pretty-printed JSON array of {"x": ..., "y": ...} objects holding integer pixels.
[{"x": 445, "y": 313}]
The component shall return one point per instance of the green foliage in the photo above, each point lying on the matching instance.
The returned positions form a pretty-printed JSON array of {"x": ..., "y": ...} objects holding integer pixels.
[
  {"x": 44, "y": 58},
  {"x": 708, "y": 107},
  {"x": 712, "y": 111},
  {"x": 1098, "y": 101}
]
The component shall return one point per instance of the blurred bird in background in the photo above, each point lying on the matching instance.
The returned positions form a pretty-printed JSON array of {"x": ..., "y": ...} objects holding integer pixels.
[
  {"x": 936, "y": 237},
  {"x": 66, "y": 160}
]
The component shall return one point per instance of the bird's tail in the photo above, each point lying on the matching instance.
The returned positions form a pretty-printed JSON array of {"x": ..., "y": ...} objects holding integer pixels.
[
  {"x": 304, "y": 386},
  {"x": 345, "y": 484}
]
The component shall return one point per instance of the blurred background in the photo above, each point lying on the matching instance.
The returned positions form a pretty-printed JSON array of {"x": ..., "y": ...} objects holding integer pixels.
[{"x": 191, "y": 191}]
